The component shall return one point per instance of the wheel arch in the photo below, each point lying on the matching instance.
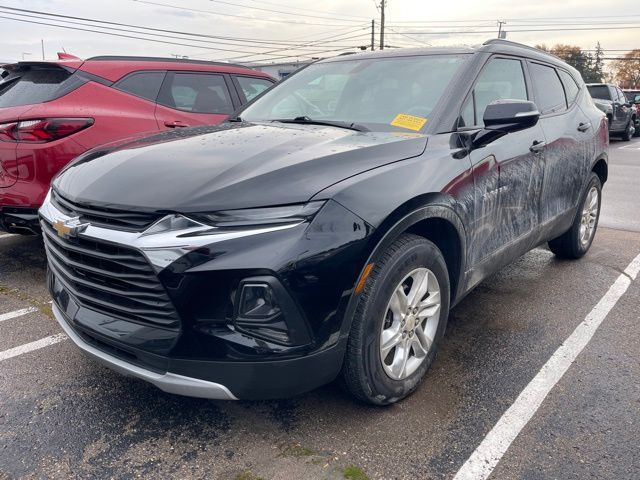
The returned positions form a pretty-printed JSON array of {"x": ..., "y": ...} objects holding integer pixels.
[
  {"x": 601, "y": 168},
  {"x": 433, "y": 217}
]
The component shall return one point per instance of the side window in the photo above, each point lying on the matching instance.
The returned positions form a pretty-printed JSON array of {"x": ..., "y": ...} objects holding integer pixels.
[
  {"x": 251, "y": 86},
  {"x": 621, "y": 96},
  {"x": 549, "y": 92},
  {"x": 197, "y": 93},
  {"x": 502, "y": 78},
  {"x": 142, "y": 84},
  {"x": 570, "y": 87}
]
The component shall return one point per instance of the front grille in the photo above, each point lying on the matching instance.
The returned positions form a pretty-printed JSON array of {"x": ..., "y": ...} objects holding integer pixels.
[
  {"x": 105, "y": 217},
  {"x": 111, "y": 279}
]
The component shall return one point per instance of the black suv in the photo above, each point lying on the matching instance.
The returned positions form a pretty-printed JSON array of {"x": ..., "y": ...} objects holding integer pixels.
[
  {"x": 620, "y": 112},
  {"x": 326, "y": 229}
]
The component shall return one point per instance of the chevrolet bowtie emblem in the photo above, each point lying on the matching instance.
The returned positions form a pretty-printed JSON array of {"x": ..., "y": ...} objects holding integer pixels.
[{"x": 69, "y": 228}]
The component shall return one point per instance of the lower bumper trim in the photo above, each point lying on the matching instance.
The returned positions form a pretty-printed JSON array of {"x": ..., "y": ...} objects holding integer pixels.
[{"x": 168, "y": 382}]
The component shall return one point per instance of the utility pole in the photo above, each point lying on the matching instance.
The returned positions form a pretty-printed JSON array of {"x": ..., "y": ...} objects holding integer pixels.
[
  {"x": 373, "y": 35},
  {"x": 42, "y": 45},
  {"x": 500, "y": 23},
  {"x": 382, "y": 5}
]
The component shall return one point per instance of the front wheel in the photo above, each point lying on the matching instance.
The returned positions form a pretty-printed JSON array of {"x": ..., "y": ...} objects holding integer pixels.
[
  {"x": 400, "y": 319},
  {"x": 576, "y": 241}
]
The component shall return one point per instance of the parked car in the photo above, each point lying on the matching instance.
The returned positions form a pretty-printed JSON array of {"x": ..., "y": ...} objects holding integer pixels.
[
  {"x": 620, "y": 113},
  {"x": 633, "y": 97},
  {"x": 304, "y": 239},
  {"x": 51, "y": 112}
]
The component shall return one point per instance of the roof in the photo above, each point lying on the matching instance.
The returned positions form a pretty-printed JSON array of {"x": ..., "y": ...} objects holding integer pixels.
[{"x": 126, "y": 58}]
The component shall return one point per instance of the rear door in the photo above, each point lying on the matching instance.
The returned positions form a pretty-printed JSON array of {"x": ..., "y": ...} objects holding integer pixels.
[
  {"x": 567, "y": 130},
  {"x": 194, "y": 98}
]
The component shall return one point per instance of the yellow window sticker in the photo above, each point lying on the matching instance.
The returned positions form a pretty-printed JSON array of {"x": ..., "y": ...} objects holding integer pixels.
[{"x": 409, "y": 122}]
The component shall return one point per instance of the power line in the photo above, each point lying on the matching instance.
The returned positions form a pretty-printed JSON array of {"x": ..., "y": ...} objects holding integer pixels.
[
  {"x": 284, "y": 13},
  {"x": 141, "y": 38},
  {"x": 316, "y": 43},
  {"x": 177, "y": 32},
  {"x": 518, "y": 19},
  {"x": 478, "y": 32},
  {"x": 287, "y": 46},
  {"x": 306, "y": 9},
  {"x": 210, "y": 12},
  {"x": 216, "y": 42}
]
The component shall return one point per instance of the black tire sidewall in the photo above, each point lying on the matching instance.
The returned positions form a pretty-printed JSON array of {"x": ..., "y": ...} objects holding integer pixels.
[{"x": 420, "y": 254}]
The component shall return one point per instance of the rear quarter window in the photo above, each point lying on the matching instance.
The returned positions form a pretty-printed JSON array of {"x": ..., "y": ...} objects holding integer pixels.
[
  {"x": 142, "y": 84},
  {"x": 253, "y": 86},
  {"x": 35, "y": 85}
]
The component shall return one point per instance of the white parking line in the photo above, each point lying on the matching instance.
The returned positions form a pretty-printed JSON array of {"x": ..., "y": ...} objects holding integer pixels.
[
  {"x": 17, "y": 313},
  {"x": 485, "y": 458},
  {"x": 30, "y": 347},
  {"x": 5, "y": 235}
]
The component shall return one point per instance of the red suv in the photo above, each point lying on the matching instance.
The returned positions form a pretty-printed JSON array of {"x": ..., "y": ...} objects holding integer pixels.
[{"x": 51, "y": 112}]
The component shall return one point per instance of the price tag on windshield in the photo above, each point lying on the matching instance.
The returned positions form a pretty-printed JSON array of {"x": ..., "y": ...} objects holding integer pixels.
[{"x": 409, "y": 122}]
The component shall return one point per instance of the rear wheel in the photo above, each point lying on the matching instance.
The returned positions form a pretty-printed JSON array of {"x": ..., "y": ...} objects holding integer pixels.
[
  {"x": 637, "y": 132},
  {"x": 576, "y": 241},
  {"x": 400, "y": 319}
]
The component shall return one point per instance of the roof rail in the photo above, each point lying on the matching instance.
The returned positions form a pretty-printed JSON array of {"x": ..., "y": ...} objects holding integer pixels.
[
  {"x": 501, "y": 41},
  {"x": 124, "y": 58}
]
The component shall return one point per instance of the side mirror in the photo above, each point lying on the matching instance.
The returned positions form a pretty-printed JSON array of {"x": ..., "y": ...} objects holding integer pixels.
[
  {"x": 510, "y": 115},
  {"x": 505, "y": 116}
]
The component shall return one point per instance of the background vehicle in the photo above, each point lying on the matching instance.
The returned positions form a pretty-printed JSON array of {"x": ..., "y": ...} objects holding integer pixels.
[
  {"x": 620, "y": 112},
  {"x": 50, "y": 112},
  {"x": 633, "y": 96},
  {"x": 325, "y": 233}
]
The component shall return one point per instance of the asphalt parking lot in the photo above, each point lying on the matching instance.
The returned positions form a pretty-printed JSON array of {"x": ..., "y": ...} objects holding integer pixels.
[{"x": 64, "y": 416}]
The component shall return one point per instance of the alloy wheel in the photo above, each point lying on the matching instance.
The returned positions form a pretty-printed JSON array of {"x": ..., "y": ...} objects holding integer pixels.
[
  {"x": 410, "y": 324},
  {"x": 589, "y": 216}
]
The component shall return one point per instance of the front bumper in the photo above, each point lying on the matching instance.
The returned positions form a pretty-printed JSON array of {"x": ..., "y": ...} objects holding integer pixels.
[
  {"x": 168, "y": 382},
  {"x": 224, "y": 380},
  {"x": 202, "y": 351}
]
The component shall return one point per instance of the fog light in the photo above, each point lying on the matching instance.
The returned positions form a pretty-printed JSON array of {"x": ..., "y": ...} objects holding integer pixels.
[{"x": 257, "y": 301}]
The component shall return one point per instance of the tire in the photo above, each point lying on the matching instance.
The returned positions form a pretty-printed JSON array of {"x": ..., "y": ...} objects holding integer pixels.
[
  {"x": 363, "y": 373},
  {"x": 637, "y": 132},
  {"x": 628, "y": 132},
  {"x": 572, "y": 244}
]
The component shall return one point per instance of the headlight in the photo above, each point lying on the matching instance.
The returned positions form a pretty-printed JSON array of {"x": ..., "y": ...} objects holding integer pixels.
[{"x": 252, "y": 217}]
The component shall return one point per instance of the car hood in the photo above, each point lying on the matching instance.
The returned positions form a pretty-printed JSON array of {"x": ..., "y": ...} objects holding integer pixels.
[{"x": 234, "y": 165}]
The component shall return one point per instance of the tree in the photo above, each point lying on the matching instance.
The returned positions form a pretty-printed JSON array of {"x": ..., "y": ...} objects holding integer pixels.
[
  {"x": 627, "y": 69},
  {"x": 575, "y": 57},
  {"x": 597, "y": 71}
]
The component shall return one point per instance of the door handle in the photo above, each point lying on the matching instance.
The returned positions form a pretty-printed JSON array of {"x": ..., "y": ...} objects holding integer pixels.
[
  {"x": 584, "y": 126},
  {"x": 175, "y": 124},
  {"x": 537, "y": 146}
]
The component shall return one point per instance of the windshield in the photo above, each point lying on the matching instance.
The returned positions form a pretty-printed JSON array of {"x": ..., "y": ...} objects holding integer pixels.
[
  {"x": 381, "y": 94},
  {"x": 599, "y": 91}
]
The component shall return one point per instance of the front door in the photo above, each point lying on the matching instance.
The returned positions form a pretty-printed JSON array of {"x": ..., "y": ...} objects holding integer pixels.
[{"x": 508, "y": 172}]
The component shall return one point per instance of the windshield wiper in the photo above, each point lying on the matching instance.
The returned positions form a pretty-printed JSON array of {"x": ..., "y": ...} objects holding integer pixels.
[{"x": 304, "y": 120}]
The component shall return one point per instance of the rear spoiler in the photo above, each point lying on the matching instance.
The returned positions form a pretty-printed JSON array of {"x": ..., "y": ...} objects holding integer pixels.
[{"x": 65, "y": 60}]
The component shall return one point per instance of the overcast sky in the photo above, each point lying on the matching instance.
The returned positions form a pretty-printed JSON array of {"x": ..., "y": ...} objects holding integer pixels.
[{"x": 308, "y": 21}]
